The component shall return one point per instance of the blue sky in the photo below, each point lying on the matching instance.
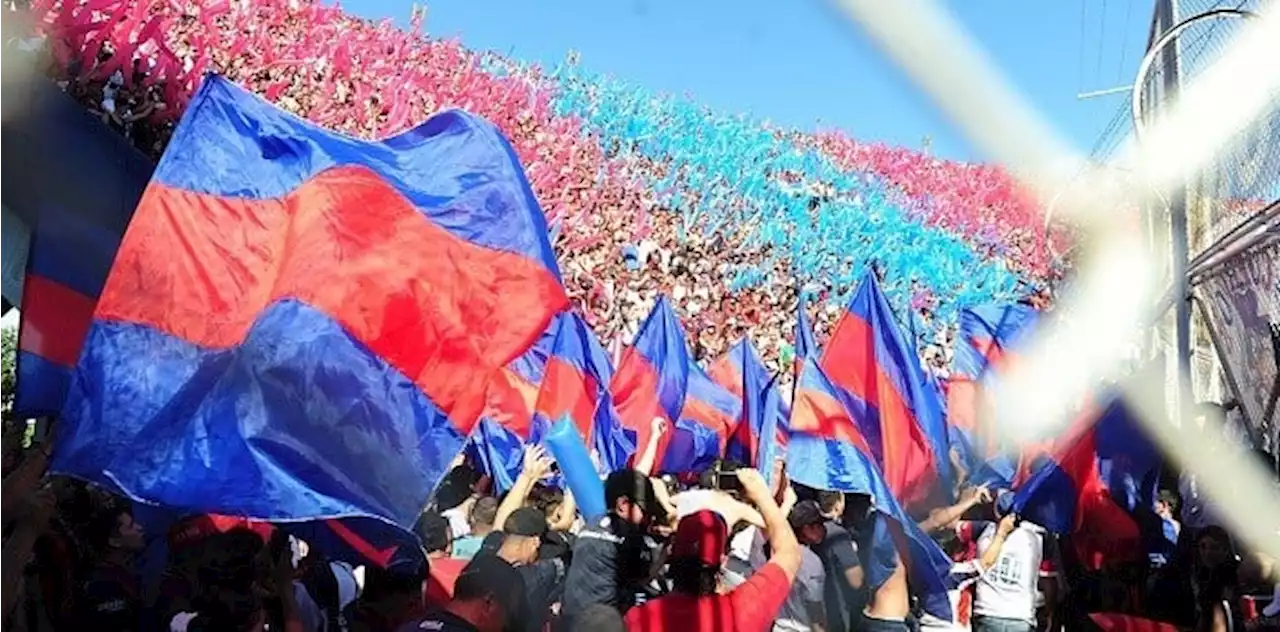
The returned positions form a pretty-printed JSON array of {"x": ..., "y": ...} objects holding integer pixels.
[{"x": 798, "y": 63}]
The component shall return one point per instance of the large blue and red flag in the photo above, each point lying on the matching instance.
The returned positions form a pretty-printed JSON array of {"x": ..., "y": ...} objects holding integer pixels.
[
  {"x": 827, "y": 451},
  {"x": 652, "y": 377},
  {"x": 302, "y": 325},
  {"x": 707, "y": 420},
  {"x": 1091, "y": 482},
  {"x": 76, "y": 230},
  {"x": 761, "y": 431},
  {"x": 872, "y": 362},
  {"x": 576, "y": 384}
]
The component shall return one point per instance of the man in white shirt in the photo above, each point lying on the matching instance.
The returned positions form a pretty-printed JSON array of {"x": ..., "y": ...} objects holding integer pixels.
[{"x": 1005, "y": 594}]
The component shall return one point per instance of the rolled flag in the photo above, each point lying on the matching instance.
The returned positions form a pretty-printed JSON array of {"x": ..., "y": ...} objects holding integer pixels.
[{"x": 565, "y": 444}]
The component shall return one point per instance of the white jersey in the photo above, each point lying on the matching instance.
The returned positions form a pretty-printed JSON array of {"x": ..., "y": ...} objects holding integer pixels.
[{"x": 1010, "y": 588}]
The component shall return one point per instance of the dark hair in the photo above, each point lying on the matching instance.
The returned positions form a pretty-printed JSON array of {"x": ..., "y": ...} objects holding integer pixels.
[
  {"x": 433, "y": 530},
  {"x": 545, "y": 498},
  {"x": 105, "y": 525},
  {"x": 598, "y": 618},
  {"x": 692, "y": 577},
  {"x": 828, "y": 501}
]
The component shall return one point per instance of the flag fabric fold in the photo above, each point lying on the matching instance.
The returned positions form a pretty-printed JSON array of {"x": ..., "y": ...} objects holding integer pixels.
[
  {"x": 652, "y": 378},
  {"x": 827, "y": 451},
  {"x": 1091, "y": 482},
  {"x": 806, "y": 342},
  {"x": 76, "y": 231},
  {"x": 761, "y": 431},
  {"x": 707, "y": 419},
  {"x": 301, "y": 325},
  {"x": 576, "y": 384},
  {"x": 869, "y": 359}
]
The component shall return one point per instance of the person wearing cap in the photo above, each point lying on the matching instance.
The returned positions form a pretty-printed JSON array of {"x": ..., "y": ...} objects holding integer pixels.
[
  {"x": 520, "y": 543},
  {"x": 815, "y": 524},
  {"x": 611, "y": 558},
  {"x": 486, "y": 598},
  {"x": 1005, "y": 595},
  {"x": 698, "y": 551}
]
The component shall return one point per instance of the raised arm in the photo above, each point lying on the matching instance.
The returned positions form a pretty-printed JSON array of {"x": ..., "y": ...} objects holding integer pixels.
[
  {"x": 1006, "y": 526},
  {"x": 782, "y": 540},
  {"x": 536, "y": 465},
  {"x": 649, "y": 455},
  {"x": 946, "y": 516}
]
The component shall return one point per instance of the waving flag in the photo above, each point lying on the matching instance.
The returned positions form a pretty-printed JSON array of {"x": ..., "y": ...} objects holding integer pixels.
[
  {"x": 652, "y": 377},
  {"x": 576, "y": 384},
  {"x": 299, "y": 324},
  {"x": 870, "y": 360},
  {"x": 707, "y": 419},
  {"x": 508, "y": 423},
  {"x": 75, "y": 233},
  {"x": 1090, "y": 482},
  {"x": 988, "y": 340},
  {"x": 806, "y": 343},
  {"x": 761, "y": 430},
  {"x": 827, "y": 451}
]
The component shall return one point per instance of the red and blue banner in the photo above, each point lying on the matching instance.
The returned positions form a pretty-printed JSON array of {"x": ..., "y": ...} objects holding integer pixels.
[
  {"x": 707, "y": 420},
  {"x": 827, "y": 451},
  {"x": 877, "y": 368},
  {"x": 652, "y": 377},
  {"x": 76, "y": 230},
  {"x": 1091, "y": 482},
  {"x": 761, "y": 432},
  {"x": 303, "y": 325},
  {"x": 576, "y": 384}
]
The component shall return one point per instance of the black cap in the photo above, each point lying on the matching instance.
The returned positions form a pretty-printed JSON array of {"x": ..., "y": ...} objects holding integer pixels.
[
  {"x": 526, "y": 521},
  {"x": 805, "y": 513},
  {"x": 491, "y": 577},
  {"x": 634, "y": 486}
]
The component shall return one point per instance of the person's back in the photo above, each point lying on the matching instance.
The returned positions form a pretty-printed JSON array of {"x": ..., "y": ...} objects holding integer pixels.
[{"x": 609, "y": 554}]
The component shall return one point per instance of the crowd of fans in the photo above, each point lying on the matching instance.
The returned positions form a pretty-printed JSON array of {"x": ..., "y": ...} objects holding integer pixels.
[
  {"x": 734, "y": 219},
  {"x": 730, "y": 549}
]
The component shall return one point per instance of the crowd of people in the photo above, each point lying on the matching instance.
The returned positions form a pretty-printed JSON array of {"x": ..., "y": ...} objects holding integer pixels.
[
  {"x": 730, "y": 549},
  {"x": 645, "y": 194}
]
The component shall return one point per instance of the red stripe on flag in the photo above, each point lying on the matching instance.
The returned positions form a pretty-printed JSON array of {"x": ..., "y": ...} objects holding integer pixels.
[
  {"x": 819, "y": 414},
  {"x": 55, "y": 320},
  {"x": 634, "y": 390},
  {"x": 850, "y": 362},
  {"x": 443, "y": 311},
  {"x": 566, "y": 391}
]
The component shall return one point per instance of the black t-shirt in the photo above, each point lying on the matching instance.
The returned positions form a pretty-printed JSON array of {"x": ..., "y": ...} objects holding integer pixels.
[
  {"x": 543, "y": 586},
  {"x": 110, "y": 599},
  {"x": 610, "y": 562},
  {"x": 839, "y": 553},
  {"x": 440, "y": 621}
]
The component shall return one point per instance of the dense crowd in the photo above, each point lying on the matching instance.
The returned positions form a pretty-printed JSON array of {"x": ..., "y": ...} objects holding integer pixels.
[
  {"x": 730, "y": 549},
  {"x": 735, "y": 220}
]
